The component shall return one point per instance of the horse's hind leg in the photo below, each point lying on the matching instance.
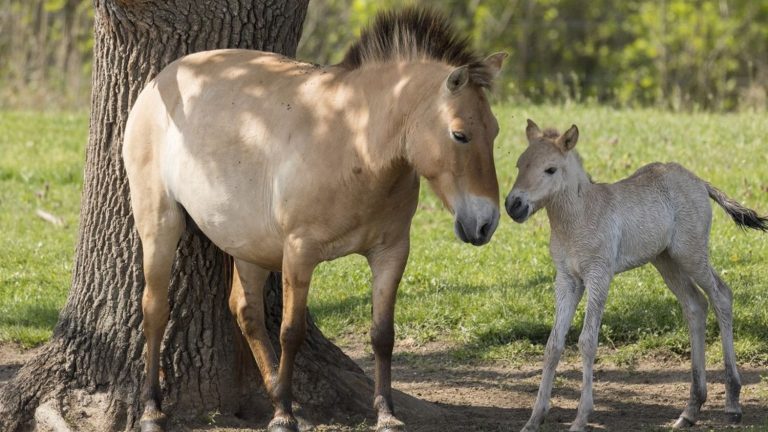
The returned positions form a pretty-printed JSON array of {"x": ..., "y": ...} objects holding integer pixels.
[
  {"x": 694, "y": 306},
  {"x": 721, "y": 297},
  {"x": 247, "y": 305},
  {"x": 732, "y": 378},
  {"x": 160, "y": 224}
]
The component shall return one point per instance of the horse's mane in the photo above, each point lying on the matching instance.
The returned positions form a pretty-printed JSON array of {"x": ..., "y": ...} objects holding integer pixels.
[{"x": 414, "y": 34}]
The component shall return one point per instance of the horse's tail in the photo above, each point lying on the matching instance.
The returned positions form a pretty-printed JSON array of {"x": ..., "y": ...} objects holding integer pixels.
[{"x": 744, "y": 217}]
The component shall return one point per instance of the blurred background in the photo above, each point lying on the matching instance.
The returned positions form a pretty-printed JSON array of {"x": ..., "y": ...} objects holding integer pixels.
[{"x": 674, "y": 54}]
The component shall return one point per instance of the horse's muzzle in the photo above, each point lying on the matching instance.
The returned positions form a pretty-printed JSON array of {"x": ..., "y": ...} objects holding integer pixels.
[
  {"x": 517, "y": 208},
  {"x": 476, "y": 221}
]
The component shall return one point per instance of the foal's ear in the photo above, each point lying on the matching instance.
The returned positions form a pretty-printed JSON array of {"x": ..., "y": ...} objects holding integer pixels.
[
  {"x": 532, "y": 131},
  {"x": 457, "y": 79},
  {"x": 568, "y": 140},
  {"x": 494, "y": 62}
]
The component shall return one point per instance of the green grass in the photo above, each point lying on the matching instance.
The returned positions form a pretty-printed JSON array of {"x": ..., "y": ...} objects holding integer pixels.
[
  {"x": 493, "y": 302},
  {"x": 41, "y": 166}
]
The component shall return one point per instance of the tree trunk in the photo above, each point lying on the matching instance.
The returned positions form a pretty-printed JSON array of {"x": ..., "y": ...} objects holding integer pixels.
[{"x": 91, "y": 371}]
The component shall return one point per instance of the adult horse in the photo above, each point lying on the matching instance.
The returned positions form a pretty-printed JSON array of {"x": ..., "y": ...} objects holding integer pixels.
[{"x": 284, "y": 164}]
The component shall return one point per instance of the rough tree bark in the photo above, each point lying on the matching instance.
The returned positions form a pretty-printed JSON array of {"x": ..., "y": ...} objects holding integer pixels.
[{"x": 91, "y": 371}]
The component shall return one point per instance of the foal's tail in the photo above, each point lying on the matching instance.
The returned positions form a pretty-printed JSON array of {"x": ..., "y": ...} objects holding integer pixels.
[{"x": 744, "y": 217}]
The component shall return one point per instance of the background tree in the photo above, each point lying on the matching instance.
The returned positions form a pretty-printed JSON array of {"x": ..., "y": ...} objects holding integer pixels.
[{"x": 91, "y": 371}]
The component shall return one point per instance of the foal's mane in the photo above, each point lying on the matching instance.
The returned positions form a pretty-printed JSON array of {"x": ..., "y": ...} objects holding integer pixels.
[{"x": 413, "y": 34}]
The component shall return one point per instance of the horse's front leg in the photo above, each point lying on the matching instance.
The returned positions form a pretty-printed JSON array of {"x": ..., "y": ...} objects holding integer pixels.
[
  {"x": 298, "y": 266},
  {"x": 387, "y": 266},
  {"x": 597, "y": 293},
  {"x": 568, "y": 292}
]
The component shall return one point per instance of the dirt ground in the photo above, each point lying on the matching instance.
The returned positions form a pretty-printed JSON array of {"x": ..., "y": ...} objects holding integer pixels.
[{"x": 496, "y": 397}]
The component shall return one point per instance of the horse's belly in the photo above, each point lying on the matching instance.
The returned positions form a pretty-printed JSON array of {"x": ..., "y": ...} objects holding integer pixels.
[{"x": 639, "y": 250}]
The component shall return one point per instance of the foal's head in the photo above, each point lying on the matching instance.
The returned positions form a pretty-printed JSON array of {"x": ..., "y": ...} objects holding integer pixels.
[
  {"x": 452, "y": 147},
  {"x": 545, "y": 169}
]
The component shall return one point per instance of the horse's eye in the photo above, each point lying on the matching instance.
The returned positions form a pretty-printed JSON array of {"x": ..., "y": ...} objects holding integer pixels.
[
  {"x": 460, "y": 137},
  {"x": 550, "y": 170}
]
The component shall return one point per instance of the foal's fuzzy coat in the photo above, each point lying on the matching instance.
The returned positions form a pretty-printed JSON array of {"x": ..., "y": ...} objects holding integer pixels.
[{"x": 662, "y": 215}]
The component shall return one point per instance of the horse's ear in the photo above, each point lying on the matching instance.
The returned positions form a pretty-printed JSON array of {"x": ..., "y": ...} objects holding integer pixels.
[
  {"x": 494, "y": 61},
  {"x": 532, "y": 131},
  {"x": 568, "y": 140},
  {"x": 457, "y": 79}
]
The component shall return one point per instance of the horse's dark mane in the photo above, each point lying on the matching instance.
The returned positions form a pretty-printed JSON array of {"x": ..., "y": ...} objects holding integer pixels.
[{"x": 416, "y": 34}]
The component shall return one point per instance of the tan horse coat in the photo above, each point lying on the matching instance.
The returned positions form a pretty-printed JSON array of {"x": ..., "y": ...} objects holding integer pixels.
[{"x": 284, "y": 164}]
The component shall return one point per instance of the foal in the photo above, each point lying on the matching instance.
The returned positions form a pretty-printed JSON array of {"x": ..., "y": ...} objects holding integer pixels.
[{"x": 661, "y": 214}]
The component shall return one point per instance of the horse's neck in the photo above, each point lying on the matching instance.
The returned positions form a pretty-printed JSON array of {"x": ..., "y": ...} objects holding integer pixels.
[
  {"x": 391, "y": 95},
  {"x": 567, "y": 209}
]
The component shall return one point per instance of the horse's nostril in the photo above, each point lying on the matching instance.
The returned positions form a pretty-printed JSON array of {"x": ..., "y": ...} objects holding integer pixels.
[
  {"x": 514, "y": 205},
  {"x": 485, "y": 229}
]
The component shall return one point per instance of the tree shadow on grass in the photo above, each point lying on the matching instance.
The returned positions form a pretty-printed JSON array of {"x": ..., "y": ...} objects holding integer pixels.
[{"x": 43, "y": 317}]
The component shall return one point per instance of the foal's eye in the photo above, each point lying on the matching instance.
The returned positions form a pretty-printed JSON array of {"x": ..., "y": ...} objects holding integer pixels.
[
  {"x": 460, "y": 137},
  {"x": 550, "y": 170}
]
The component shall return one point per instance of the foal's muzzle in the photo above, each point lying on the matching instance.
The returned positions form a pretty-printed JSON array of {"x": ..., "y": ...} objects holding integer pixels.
[
  {"x": 476, "y": 220},
  {"x": 517, "y": 207}
]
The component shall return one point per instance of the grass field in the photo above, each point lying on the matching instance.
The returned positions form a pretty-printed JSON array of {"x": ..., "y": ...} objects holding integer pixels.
[{"x": 493, "y": 302}]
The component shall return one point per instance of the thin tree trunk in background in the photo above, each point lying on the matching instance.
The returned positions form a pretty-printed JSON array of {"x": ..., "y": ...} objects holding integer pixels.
[{"x": 92, "y": 369}]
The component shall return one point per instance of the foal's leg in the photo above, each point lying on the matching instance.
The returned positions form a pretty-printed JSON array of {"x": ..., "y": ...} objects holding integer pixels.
[
  {"x": 568, "y": 292},
  {"x": 597, "y": 293},
  {"x": 387, "y": 266},
  {"x": 721, "y": 297},
  {"x": 694, "y": 306},
  {"x": 247, "y": 305},
  {"x": 297, "y": 272},
  {"x": 160, "y": 228}
]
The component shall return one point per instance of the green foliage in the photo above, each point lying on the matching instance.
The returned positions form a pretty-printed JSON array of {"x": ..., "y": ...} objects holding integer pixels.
[
  {"x": 493, "y": 302},
  {"x": 679, "y": 54}
]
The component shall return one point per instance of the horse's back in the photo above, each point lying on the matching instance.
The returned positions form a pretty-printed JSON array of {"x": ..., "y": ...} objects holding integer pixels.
[
  {"x": 206, "y": 134},
  {"x": 658, "y": 206}
]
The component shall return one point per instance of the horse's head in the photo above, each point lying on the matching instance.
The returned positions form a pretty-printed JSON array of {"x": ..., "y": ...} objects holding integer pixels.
[
  {"x": 452, "y": 147},
  {"x": 545, "y": 168}
]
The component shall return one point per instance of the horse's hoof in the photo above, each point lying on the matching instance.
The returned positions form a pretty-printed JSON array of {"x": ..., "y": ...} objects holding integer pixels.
[
  {"x": 151, "y": 426},
  {"x": 733, "y": 417},
  {"x": 683, "y": 423},
  {"x": 282, "y": 424}
]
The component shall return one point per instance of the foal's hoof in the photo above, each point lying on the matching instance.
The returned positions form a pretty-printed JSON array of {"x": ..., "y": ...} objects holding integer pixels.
[
  {"x": 733, "y": 417},
  {"x": 390, "y": 424},
  {"x": 682, "y": 423},
  {"x": 282, "y": 424}
]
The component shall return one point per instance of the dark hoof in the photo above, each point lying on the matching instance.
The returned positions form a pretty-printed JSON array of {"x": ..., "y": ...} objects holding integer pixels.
[
  {"x": 281, "y": 424},
  {"x": 683, "y": 422},
  {"x": 733, "y": 418},
  {"x": 151, "y": 426}
]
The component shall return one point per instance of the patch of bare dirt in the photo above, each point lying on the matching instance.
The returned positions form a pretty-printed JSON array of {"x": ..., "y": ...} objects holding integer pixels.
[
  {"x": 490, "y": 397},
  {"x": 11, "y": 360}
]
